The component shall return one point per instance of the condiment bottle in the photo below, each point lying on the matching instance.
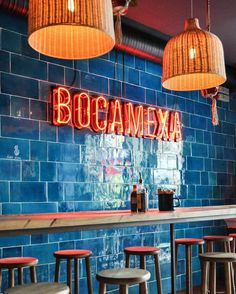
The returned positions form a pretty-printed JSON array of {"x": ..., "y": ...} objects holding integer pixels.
[
  {"x": 133, "y": 199},
  {"x": 142, "y": 196}
]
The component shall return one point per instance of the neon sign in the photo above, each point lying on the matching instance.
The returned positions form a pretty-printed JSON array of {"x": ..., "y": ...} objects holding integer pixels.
[{"x": 113, "y": 116}]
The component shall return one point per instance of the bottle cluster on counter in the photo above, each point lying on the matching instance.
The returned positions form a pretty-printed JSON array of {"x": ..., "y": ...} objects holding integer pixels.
[{"x": 139, "y": 197}]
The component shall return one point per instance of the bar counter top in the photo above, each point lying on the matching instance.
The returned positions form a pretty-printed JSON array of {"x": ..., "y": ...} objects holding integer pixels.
[{"x": 67, "y": 221}]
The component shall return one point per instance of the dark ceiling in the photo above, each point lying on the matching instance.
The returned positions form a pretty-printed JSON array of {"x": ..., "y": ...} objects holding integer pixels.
[{"x": 167, "y": 16}]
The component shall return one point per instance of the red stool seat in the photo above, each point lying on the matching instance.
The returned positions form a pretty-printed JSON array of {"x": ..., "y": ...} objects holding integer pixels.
[
  {"x": 233, "y": 235},
  {"x": 76, "y": 253},
  {"x": 190, "y": 241},
  {"x": 141, "y": 250},
  {"x": 217, "y": 238},
  {"x": 19, "y": 264},
  {"x": 18, "y": 261}
]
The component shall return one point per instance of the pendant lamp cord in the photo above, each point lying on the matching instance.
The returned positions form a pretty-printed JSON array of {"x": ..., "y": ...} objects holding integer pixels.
[
  {"x": 208, "y": 16},
  {"x": 74, "y": 76},
  {"x": 191, "y": 8}
]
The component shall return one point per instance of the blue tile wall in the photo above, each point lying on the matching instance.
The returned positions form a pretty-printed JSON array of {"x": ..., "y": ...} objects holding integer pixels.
[{"x": 44, "y": 168}]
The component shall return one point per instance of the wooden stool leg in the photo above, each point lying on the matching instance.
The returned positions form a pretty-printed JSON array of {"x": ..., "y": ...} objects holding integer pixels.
[
  {"x": 204, "y": 286},
  {"x": 57, "y": 270},
  {"x": 201, "y": 249},
  {"x": 210, "y": 246},
  {"x": 102, "y": 288},
  {"x": 158, "y": 273},
  {"x": 20, "y": 276},
  {"x": 145, "y": 288},
  {"x": 69, "y": 275},
  {"x": 33, "y": 274},
  {"x": 123, "y": 289},
  {"x": 212, "y": 277},
  {"x": 176, "y": 258},
  {"x": 76, "y": 276},
  {"x": 127, "y": 260},
  {"x": 89, "y": 277},
  {"x": 188, "y": 252},
  {"x": 11, "y": 278},
  {"x": 228, "y": 283},
  {"x": 142, "y": 266}
]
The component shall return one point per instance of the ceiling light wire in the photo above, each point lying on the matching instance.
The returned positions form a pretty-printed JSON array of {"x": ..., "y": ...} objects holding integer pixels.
[
  {"x": 208, "y": 15},
  {"x": 191, "y": 8}
]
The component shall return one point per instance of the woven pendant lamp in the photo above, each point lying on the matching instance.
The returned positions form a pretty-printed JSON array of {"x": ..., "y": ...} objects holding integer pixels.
[
  {"x": 71, "y": 29},
  {"x": 193, "y": 60}
]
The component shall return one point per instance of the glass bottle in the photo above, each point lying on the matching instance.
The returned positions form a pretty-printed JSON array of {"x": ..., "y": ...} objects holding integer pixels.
[
  {"x": 133, "y": 199},
  {"x": 142, "y": 196}
]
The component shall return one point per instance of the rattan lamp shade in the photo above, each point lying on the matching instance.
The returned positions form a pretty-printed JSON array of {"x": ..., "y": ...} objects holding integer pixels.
[
  {"x": 71, "y": 29},
  {"x": 193, "y": 60}
]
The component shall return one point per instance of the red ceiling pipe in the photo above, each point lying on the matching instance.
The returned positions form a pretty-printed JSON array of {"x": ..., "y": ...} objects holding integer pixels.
[{"x": 17, "y": 6}]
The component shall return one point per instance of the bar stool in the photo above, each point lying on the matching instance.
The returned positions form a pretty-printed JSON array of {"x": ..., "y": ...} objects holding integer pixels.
[
  {"x": 233, "y": 247},
  {"x": 75, "y": 255},
  {"x": 212, "y": 258},
  {"x": 143, "y": 251},
  {"x": 188, "y": 242},
  {"x": 19, "y": 263},
  {"x": 122, "y": 277},
  {"x": 212, "y": 240},
  {"x": 45, "y": 288}
]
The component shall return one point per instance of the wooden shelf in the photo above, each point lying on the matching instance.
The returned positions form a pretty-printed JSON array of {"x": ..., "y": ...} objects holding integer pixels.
[{"x": 68, "y": 221}]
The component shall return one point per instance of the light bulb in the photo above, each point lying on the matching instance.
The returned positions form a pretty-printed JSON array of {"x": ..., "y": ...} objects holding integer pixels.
[
  {"x": 71, "y": 5},
  {"x": 192, "y": 53}
]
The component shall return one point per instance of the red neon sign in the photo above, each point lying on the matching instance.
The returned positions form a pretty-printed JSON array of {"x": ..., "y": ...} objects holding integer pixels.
[{"x": 100, "y": 115}]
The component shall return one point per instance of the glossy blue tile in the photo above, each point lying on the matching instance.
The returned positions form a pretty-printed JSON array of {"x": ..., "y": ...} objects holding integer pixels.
[
  {"x": 38, "y": 110},
  {"x": 94, "y": 83},
  {"x": 47, "y": 131},
  {"x": 11, "y": 208},
  {"x": 65, "y": 134},
  {"x": 16, "y": 85},
  {"x": 28, "y": 67},
  {"x": 19, "y": 107},
  {"x": 30, "y": 171},
  {"x": 102, "y": 67},
  {"x": 140, "y": 63},
  {"x": 151, "y": 97},
  {"x": 26, "y": 49},
  {"x": 134, "y": 93},
  {"x": 63, "y": 152},
  {"x": 11, "y": 41},
  {"x": 39, "y": 207},
  {"x": 4, "y": 61},
  {"x": 10, "y": 170},
  {"x": 133, "y": 76},
  {"x": 55, "y": 192},
  {"x": 72, "y": 78},
  {"x": 71, "y": 172},
  {"x": 56, "y": 74},
  {"x": 44, "y": 252},
  {"x": 192, "y": 177},
  {"x": 115, "y": 88},
  {"x": 19, "y": 128},
  {"x": 150, "y": 81},
  {"x": 12, "y": 252},
  {"x": 199, "y": 150},
  {"x": 14, "y": 148},
  {"x": 198, "y": 122},
  {"x": 27, "y": 192},
  {"x": 38, "y": 151},
  {"x": 48, "y": 172},
  {"x": 4, "y": 104},
  {"x": 195, "y": 163}
]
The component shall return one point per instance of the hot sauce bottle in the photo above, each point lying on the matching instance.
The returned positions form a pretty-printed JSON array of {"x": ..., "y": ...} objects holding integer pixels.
[
  {"x": 142, "y": 196},
  {"x": 133, "y": 200}
]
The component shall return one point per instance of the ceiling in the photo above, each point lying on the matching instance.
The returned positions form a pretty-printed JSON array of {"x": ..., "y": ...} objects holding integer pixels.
[{"x": 167, "y": 16}]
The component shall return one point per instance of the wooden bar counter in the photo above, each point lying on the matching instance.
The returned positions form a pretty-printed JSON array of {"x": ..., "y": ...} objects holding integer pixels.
[{"x": 69, "y": 221}]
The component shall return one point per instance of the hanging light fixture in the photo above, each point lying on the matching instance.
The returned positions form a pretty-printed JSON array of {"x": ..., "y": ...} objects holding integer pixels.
[
  {"x": 71, "y": 29},
  {"x": 193, "y": 60}
]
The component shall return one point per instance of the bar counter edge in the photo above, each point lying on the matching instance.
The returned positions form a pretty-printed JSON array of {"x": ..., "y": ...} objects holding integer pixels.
[{"x": 58, "y": 222}]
